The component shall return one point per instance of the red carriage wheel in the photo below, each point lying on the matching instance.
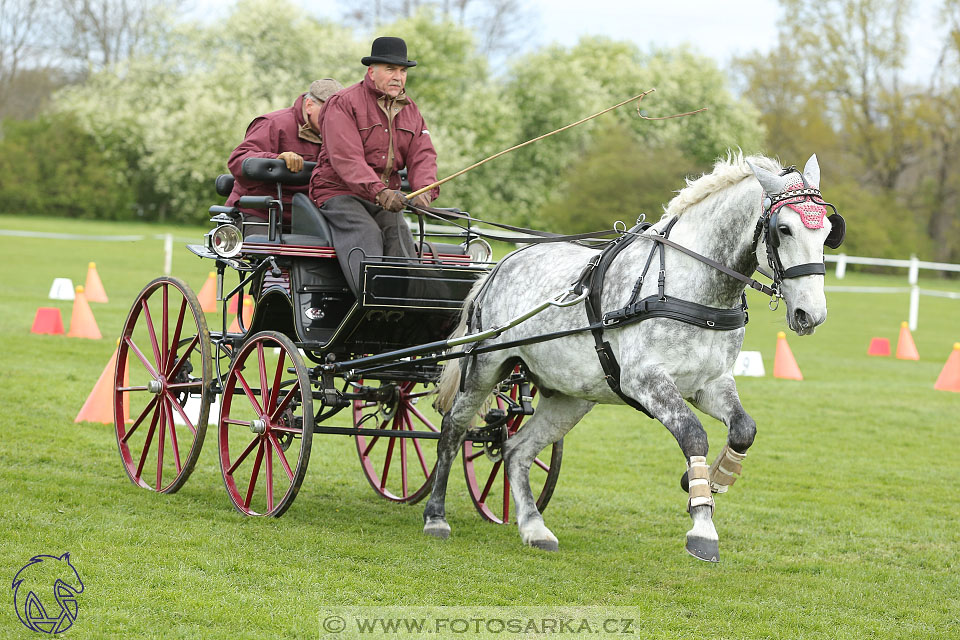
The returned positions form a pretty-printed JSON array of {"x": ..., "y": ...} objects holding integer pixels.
[
  {"x": 399, "y": 469},
  {"x": 484, "y": 469},
  {"x": 162, "y": 394},
  {"x": 266, "y": 425}
]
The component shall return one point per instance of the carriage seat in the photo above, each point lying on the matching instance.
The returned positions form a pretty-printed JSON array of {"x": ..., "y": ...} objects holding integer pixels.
[{"x": 308, "y": 227}]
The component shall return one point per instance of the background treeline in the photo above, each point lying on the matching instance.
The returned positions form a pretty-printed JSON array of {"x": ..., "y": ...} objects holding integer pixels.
[{"x": 124, "y": 109}]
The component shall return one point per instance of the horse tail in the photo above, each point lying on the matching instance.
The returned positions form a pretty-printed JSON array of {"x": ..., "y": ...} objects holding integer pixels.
[{"x": 449, "y": 382}]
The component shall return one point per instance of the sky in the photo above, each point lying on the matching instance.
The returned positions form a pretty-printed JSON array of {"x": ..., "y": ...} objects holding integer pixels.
[{"x": 720, "y": 29}]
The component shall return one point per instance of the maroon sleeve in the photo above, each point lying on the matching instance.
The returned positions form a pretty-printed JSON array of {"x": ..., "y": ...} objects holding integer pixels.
[
  {"x": 341, "y": 139},
  {"x": 261, "y": 141},
  {"x": 422, "y": 161}
]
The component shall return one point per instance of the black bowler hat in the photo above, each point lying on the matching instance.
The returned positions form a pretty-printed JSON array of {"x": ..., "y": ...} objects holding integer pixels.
[{"x": 390, "y": 51}]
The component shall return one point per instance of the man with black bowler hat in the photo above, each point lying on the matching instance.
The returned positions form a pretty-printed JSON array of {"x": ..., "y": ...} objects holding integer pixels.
[{"x": 371, "y": 131}]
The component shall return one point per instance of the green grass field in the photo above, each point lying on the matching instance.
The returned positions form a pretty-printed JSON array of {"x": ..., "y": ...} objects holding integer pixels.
[{"x": 844, "y": 524}]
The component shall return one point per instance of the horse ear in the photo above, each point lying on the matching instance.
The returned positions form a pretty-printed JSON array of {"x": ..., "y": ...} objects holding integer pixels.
[
  {"x": 771, "y": 182},
  {"x": 812, "y": 171}
]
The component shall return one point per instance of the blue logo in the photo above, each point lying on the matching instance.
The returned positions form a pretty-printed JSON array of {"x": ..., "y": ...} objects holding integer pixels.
[{"x": 45, "y": 593}]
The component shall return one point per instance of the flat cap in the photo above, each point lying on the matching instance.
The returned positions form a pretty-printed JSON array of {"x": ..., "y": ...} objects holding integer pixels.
[{"x": 320, "y": 90}]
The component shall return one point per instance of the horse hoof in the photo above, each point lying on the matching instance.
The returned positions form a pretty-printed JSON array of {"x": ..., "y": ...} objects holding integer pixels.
[
  {"x": 437, "y": 529},
  {"x": 703, "y": 549},
  {"x": 685, "y": 483},
  {"x": 545, "y": 545}
]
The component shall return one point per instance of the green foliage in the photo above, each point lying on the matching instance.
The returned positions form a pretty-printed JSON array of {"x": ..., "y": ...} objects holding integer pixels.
[
  {"x": 53, "y": 165},
  {"x": 618, "y": 178}
]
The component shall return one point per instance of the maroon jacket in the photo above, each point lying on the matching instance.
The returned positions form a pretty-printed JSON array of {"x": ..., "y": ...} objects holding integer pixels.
[
  {"x": 364, "y": 147},
  {"x": 266, "y": 137}
]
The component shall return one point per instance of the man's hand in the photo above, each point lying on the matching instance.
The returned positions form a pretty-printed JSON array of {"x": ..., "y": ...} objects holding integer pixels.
[
  {"x": 294, "y": 161},
  {"x": 422, "y": 200},
  {"x": 390, "y": 200}
]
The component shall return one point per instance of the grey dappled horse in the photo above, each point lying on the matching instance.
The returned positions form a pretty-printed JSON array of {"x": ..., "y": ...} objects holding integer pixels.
[{"x": 665, "y": 363}]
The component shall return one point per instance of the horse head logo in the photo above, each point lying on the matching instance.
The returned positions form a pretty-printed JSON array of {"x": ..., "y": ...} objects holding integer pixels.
[{"x": 45, "y": 593}]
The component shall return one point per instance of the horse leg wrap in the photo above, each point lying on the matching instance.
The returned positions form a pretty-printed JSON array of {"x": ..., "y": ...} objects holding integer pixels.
[
  {"x": 698, "y": 475},
  {"x": 725, "y": 469}
]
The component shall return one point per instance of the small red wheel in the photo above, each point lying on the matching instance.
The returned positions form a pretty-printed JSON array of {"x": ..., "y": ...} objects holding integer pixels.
[
  {"x": 163, "y": 365},
  {"x": 483, "y": 467},
  {"x": 399, "y": 469},
  {"x": 266, "y": 425}
]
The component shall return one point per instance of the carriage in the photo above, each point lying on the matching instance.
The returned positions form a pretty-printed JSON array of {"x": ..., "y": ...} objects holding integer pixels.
[
  {"x": 613, "y": 334},
  {"x": 303, "y": 349}
]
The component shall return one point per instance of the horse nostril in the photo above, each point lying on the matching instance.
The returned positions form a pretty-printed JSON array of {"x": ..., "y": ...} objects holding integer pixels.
[{"x": 801, "y": 318}]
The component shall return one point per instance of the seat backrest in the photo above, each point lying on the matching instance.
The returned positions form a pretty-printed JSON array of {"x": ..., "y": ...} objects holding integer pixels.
[
  {"x": 308, "y": 220},
  {"x": 275, "y": 170}
]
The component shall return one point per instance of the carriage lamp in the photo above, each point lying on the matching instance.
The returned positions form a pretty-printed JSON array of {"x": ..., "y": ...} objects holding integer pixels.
[{"x": 226, "y": 240}]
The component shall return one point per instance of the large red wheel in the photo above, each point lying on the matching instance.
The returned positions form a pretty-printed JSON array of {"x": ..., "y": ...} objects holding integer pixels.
[
  {"x": 483, "y": 465},
  {"x": 163, "y": 365},
  {"x": 266, "y": 425},
  {"x": 398, "y": 469}
]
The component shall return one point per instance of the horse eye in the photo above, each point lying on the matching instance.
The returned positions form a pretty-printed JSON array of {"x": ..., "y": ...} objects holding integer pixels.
[{"x": 784, "y": 230}]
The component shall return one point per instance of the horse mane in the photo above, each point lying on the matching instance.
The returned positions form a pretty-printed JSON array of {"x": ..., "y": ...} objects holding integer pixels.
[{"x": 726, "y": 172}]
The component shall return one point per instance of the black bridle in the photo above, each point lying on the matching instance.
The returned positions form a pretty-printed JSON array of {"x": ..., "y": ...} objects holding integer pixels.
[{"x": 767, "y": 225}]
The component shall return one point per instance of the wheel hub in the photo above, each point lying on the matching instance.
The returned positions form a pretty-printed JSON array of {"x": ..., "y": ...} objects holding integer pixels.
[
  {"x": 155, "y": 386},
  {"x": 258, "y": 426}
]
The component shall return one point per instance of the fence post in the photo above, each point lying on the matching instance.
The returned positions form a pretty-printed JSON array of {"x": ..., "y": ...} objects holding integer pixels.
[
  {"x": 914, "y": 272},
  {"x": 841, "y": 265},
  {"x": 914, "y": 307},
  {"x": 167, "y": 254}
]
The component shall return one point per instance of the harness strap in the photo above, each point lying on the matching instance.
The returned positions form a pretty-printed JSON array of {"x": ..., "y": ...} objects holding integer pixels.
[{"x": 750, "y": 282}]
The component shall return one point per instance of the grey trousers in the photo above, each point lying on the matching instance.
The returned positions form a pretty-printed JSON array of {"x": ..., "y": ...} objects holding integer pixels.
[{"x": 363, "y": 230}]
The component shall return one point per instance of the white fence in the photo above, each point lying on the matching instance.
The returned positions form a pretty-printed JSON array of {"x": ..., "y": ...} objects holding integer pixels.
[{"x": 913, "y": 266}]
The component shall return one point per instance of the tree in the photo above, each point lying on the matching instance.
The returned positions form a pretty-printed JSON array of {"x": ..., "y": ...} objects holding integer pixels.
[{"x": 19, "y": 28}]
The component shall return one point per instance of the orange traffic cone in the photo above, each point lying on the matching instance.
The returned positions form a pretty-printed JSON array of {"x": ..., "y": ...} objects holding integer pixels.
[
  {"x": 949, "y": 379},
  {"x": 879, "y": 347},
  {"x": 906, "y": 350},
  {"x": 784, "y": 365},
  {"x": 247, "y": 316},
  {"x": 99, "y": 404},
  {"x": 94, "y": 287},
  {"x": 47, "y": 320},
  {"x": 82, "y": 322},
  {"x": 232, "y": 305},
  {"x": 208, "y": 294}
]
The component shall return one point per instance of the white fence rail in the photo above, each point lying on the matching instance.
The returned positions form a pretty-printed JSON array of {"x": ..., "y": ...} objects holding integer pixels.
[{"x": 913, "y": 266}]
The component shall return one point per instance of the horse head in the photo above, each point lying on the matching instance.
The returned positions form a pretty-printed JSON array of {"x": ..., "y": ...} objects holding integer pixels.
[{"x": 795, "y": 228}]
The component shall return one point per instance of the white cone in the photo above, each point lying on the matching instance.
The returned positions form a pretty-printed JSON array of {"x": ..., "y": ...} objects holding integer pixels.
[
  {"x": 749, "y": 363},
  {"x": 62, "y": 289}
]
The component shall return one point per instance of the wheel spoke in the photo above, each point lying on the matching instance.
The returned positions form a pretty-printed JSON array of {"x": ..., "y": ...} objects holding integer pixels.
[
  {"x": 275, "y": 415},
  {"x": 262, "y": 370},
  {"x": 173, "y": 433},
  {"x": 386, "y": 464},
  {"x": 540, "y": 463},
  {"x": 142, "y": 358},
  {"x": 175, "y": 369},
  {"x": 146, "y": 444},
  {"x": 243, "y": 456},
  {"x": 175, "y": 343},
  {"x": 182, "y": 413},
  {"x": 139, "y": 420},
  {"x": 486, "y": 487},
  {"x": 402, "y": 414},
  {"x": 164, "y": 327},
  {"x": 423, "y": 462},
  {"x": 422, "y": 418},
  {"x": 506, "y": 498},
  {"x": 474, "y": 456},
  {"x": 269, "y": 474},
  {"x": 281, "y": 456},
  {"x": 164, "y": 417},
  {"x": 366, "y": 452},
  {"x": 152, "y": 332},
  {"x": 277, "y": 379},
  {"x": 249, "y": 394},
  {"x": 253, "y": 476}
]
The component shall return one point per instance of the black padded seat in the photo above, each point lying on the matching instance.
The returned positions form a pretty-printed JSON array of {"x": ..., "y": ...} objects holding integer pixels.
[
  {"x": 290, "y": 239},
  {"x": 441, "y": 247}
]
